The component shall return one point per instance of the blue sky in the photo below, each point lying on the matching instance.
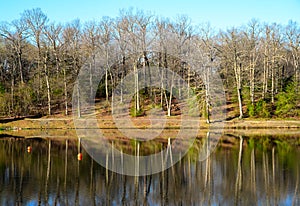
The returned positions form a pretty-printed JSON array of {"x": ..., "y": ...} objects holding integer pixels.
[{"x": 221, "y": 14}]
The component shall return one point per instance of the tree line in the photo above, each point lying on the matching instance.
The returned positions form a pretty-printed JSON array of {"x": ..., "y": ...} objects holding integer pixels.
[{"x": 40, "y": 60}]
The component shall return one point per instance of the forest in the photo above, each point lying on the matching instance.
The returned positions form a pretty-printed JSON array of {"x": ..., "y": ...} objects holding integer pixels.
[{"x": 40, "y": 60}]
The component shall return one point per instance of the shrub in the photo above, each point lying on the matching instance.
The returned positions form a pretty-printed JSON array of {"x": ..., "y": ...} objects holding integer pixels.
[
  {"x": 251, "y": 110},
  {"x": 136, "y": 113},
  {"x": 286, "y": 101},
  {"x": 262, "y": 109}
]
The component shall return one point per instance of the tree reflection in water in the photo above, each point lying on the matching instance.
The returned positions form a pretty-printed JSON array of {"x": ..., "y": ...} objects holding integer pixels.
[{"x": 241, "y": 175}]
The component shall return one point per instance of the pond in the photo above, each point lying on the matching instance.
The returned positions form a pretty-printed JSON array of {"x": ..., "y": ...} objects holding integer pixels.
[{"x": 251, "y": 171}]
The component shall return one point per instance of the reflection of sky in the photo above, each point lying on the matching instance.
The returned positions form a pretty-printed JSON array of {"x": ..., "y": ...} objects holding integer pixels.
[
  {"x": 32, "y": 203},
  {"x": 219, "y": 13},
  {"x": 288, "y": 200}
]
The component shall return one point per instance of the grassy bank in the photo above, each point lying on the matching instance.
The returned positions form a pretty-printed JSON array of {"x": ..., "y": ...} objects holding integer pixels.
[{"x": 107, "y": 122}]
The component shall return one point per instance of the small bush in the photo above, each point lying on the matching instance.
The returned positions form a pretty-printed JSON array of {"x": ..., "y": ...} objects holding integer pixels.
[
  {"x": 136, "y": 113},
  {"x": 262, "y": 109},
  {"x": 286, "y": 102},
  {"x": 251, "y": 110}
]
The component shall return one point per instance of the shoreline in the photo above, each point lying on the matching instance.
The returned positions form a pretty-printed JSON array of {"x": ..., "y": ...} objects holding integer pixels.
[
  {"x": 143, "y": 123},
  {"x": 61, "y": 128}
]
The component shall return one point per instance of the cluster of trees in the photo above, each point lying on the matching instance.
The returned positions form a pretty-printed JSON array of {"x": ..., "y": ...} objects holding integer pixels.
[{"x": 39, "y": 61}]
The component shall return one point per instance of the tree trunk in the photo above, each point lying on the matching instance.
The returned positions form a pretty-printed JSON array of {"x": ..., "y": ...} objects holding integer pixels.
[
  {"x": 169, "y": 100},
  {"x": 39, "y": 71},
  {"x": 207, "y": 73},
  {"x": 272, "y": 81},
  {"x": 252, "y": 84},
  {"x": 47, "y": 84},
  {"x": 106, "y": 74},
  {"x": 237, "y": 70},
  {"x": 65, "y": 92},
  {"x": 188, "y": 81},
  {"x": 266, "y": 73},
  {"x": 20, "y": 66},
  {"x": 122, "y": 76},
  {"x": 78, "y": 101},
  {"x": 239, "y": 91},
  {"x": 106, "y": 84},
  {"x": 136, "y": 85},
  {"x": 12, "y": 90},
  {"x": 161, "y": 86},
  {"x": 91, "y": 81}
]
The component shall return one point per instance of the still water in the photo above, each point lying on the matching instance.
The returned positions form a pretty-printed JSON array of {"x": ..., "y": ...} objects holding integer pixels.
[{"x": 49, "y": 173}]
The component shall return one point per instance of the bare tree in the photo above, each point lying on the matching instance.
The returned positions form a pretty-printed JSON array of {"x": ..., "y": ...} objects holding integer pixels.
[
  {"x": 293, "y": 37},
  {"x": 53, "y": 33},
  {"x": 91, "y": 44},
  {"x": 120, "y": 34},
  {"x": 45, "y": 52},
  {"x": 133, "y": 48},
  {"x": 144, "y": 26},
  {"x": 161, "y": 32},
  {"x": 277, "y": 58},
  {"x": 36, "y": 21},
  {"x": 252, "y": 43},
  {"x": 182, "y": 31},
  {"x": 71, "y": 49},
  {"x": 105, "y": 28},
  {"x": 232, "y": 54},
  {"x": 206, "y": 50},
  {"x": 16, "y": 34}
]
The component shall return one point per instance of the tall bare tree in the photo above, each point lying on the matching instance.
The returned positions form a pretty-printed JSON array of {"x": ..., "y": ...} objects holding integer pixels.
[
  {"x": 120, "y": 34},
  {"x": 53, "y": 33},
  {"x": 36, "y": 21},
  {"x": 91, "y": 44},
  {"x": 293, "y": 37},
  {"x": 232, "y": 54},
  {"x": 252, "y": 53},
  {"x": 15, "y": 33},
  {"x": 71, "y": 49},
  {"x": 105, "y": 28}
]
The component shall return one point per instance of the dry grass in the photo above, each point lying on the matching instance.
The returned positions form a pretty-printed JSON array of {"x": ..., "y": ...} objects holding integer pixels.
[{"x": 105, "y": 120}]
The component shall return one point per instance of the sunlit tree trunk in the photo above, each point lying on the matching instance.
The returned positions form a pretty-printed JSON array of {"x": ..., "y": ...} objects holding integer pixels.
[
  {"x": 273, "y": 80},
  {"x": 169, "y": 99},
  {"x": 136, "y": 88},
  {"x": 12, "y": 91},
  {"x": 207, "y": 92},
  {"x": 237, "y": 71},
  {"x": 47, "y": 83},
  {"x": 91, "y": 81},
  {"x": 106, "y": 84},
  {"x": 20, "y": 66},
  {"x": 65, "y": 91}
]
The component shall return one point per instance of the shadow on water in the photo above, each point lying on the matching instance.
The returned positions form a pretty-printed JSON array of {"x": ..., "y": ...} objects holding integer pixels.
[{"x": 48, "y": 171}]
